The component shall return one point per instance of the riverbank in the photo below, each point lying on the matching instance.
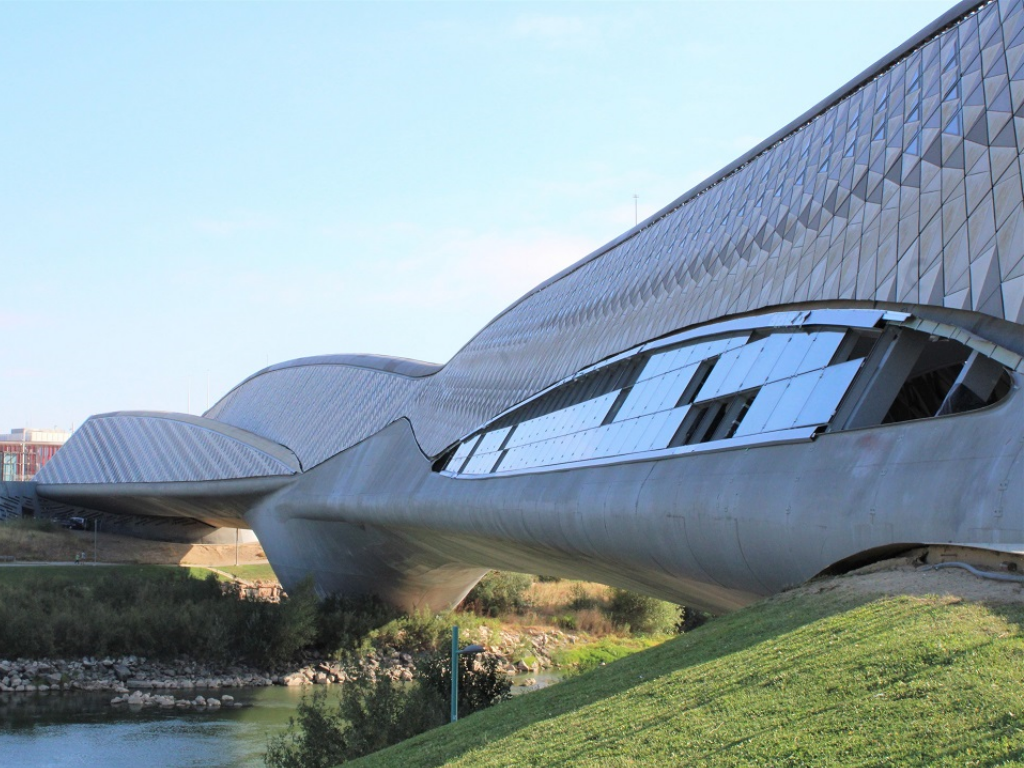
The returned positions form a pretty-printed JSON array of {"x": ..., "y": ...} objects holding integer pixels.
[
  {"x": 891, "y": 665},
  {"x": 518, "y": 652}
]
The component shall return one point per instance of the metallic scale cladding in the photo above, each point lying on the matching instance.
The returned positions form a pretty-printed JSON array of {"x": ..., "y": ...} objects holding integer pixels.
[{"x": 813, "y": 355}]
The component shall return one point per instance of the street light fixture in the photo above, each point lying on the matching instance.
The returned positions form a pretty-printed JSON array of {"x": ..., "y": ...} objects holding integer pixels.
[{"x": 456, "y": 652}]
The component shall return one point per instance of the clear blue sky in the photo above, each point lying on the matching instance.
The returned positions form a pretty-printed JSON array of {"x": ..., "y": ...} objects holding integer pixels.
[{"x": 190, "y": 190}]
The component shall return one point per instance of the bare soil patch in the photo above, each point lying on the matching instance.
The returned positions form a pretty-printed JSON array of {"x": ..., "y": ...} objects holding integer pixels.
[
  {"x": 903, "y": 576},
  {"x": 25, "y": 544}
]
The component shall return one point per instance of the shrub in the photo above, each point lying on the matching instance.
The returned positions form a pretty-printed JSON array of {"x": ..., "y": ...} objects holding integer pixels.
[
  {"x": 417, "y": 632},
  {"x": 580, "y": 599},
  {"x": 344, "y": 623},
  {"x": 499, "y": 592},
  {"x": 372, "y": 714},
  {"x": 482, "y": 681},
  {"x": 691, "y": 618},
  {"x": 641, "y": 614}
]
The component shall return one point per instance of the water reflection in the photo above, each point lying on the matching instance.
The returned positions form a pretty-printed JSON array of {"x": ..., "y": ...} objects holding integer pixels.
[{"x": 82, "y": 729}]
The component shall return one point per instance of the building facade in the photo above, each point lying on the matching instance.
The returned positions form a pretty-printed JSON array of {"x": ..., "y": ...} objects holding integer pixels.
[
  {"x": 23, "y": 452},
  {"x": 814, "y": 355}
]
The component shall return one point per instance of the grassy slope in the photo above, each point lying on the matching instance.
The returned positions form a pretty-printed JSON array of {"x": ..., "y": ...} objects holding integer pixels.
[{"x": 832, "y": 679}]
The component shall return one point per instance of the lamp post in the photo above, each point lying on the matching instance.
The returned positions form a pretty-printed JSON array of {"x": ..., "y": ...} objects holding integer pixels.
[{"x": 469, "y": 649}]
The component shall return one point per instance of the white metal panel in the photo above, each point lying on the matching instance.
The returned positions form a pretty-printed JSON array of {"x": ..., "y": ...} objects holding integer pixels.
[
  {"x": 761, "y": 409},
  {"x": 792, "y": 402},
  {"x": 491, "y": 441},
  {"x": 823, "y": 400}
]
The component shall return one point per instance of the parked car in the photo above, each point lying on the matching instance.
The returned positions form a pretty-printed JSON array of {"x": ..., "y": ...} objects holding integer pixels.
[{"x": 74, "y": 523}]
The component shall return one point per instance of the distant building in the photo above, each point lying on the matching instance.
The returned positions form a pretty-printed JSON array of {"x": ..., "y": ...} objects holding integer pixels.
[{"x": 25, "y": 451}]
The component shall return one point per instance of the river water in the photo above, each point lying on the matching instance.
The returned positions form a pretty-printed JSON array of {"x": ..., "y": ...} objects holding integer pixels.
[
  {"x": 82, "y": 729},
  {"x": 74, "y": 730}
]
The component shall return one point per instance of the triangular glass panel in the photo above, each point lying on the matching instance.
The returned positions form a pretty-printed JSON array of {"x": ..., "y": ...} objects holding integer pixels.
[
  {"x": 953, "y": 92},
  {"x": 855, "y": 123},
  {"x": 1005, "y": 137},
  {"x": 955, "y": 159},
  {"x": 978, "y": 132},
  {"x": 778, "y": 191},
  {"x": 851, "y": 148},
  {"x": 975, "y": 65},
  {"x": 800, "y": 178},
  {"x": 882, "y": 103},
  {"x": 880, "y": 133},
  {"x": 893, "y": 174},
  {"x": 1001, "y": 102},
  {"x": 955, "y": 126},
  {"x": 933, "y": 154},
  {"x": 914, "y": 147},
  {"x": 915, "y": 114},
  {"x": 950, "y": 60},
  {"x": 998, "y": 67},
  {"x": 915, "y": 81},
  {"x": 977, "y": 97},
  {"x": 824, "y": 166},
  {"x": 1018, "y": 40}
]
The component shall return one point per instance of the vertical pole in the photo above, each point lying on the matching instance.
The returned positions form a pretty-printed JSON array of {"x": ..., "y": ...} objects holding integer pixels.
[
  {"x": 455, "y": 673},
  {"x": 95, "y": 540},
  {"x": 236, "y": 546}
]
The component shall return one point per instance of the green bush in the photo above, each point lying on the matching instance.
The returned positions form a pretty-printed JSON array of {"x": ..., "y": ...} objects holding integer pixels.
[
  {"x": 580, "y": 599},
  {"x": 155, "y": 612},
  {"x": 691, "y": 618},
  {"x": 482, "y": 681},
  {"x": 641, "y": 614},
  {"x": 345, "y": 623},
  {"x": 417, "y": 632},
  {"x": 499, "y": 592},
  {"x": 369, "y": 715}
]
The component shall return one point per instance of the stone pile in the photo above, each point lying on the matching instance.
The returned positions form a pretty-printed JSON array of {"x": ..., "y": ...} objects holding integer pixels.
[
  {"x": 121, "y": 675},
  {"x": 138, "y": 700},
  {"x": 132, "y": 677}
]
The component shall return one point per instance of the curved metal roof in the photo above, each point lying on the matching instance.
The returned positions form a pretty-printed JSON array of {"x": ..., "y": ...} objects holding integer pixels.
[
  {"x": 901, "y": 190},
  {"x": 149, "y": 447}
]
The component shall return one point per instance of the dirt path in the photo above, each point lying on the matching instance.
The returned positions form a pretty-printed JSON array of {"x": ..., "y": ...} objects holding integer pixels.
[{"x": 23, "y": 545}]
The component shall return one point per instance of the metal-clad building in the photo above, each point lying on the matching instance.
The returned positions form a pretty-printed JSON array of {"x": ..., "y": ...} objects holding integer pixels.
[{"x": 814, "y": 354}]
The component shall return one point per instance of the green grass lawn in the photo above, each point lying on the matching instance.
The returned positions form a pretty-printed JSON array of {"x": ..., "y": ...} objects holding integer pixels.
[
  {"x": 799, "y": 680},
  {"x": 259, "y": 572}
]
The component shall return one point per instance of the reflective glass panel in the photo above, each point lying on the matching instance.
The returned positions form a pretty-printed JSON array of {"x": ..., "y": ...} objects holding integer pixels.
[
  {"x": 481, "y": 463},
  {"x": 491, "y": 441},
  {"x": 771, "y": 350},
  {"x": 824, "y": 399},
  {"x": 822, "y": 349},
  {"x": 730, "y": 371},
  {"x": 664, "y": 362},
  {"x": 761, "y": 409},
  {"x": 461, "y": 454},
  {"x": 798, "y": 389},
  {"x": 793, "y": 352}
]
